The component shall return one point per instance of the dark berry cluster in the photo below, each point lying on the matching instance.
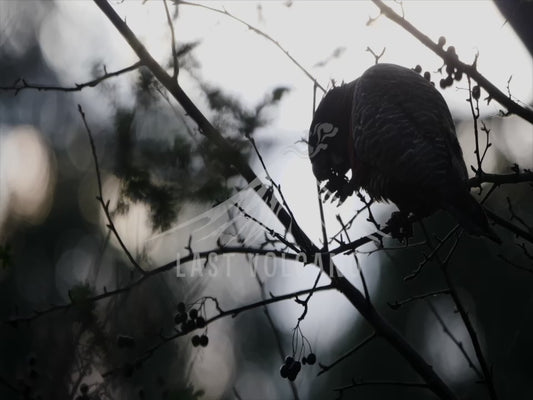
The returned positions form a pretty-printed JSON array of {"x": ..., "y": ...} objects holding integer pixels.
[
  {"x": 452, "y": 72},
  {"x": 188, "y": 321},
  {"x": 198, "y": 340},
  {"x": 310, "y": 359},
  {"x": 476, "y": 92},
  {"x": 28, "y": 383},
  {"x": 292, "y": 367},
  {"x": 426, "y": 75}
]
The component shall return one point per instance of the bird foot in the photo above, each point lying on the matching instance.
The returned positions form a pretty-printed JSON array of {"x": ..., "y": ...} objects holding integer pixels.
[{"x": 400, "y": 227}]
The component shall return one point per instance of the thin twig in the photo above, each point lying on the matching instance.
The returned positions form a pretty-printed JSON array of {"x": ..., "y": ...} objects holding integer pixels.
[
  {"x": 173, "y": 41},
  {"x": 103, "y": 203},
  {"x": 399, "y": 303},
  {"x": 361, "y": 274},
  {"x": 509, "y": 226},
  {"x": 268, "y": 316},
  {"x": 487, "y": 375},
  {"x": 354, "y": 384},
  {"x": 234, "y": 312},
  {"x": 260, "y": 33},
  {"x": 22, "y": 84},
  {"x": 325, "y": 368},
  {"x": 164, "y": 268},
  {"x": 457, "y": 342}
]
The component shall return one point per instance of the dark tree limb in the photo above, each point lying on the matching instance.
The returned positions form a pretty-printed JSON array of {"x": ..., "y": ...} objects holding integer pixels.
[{"x": 470, "y": 70}]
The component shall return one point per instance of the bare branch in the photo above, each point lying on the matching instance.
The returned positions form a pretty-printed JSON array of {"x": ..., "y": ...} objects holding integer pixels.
[
  {"x": 399, "y": 303},
  {"x": 458, "y": 343},
  {"x": 260, "y": 33},
  {"x": 470, "y": 70},
  {"x": 105, "y": 204},
  {"x": 234, "y": 312},
  {"x": 173, "y": 41},
  {"x": 500, "y": 179},
  {"x": 355, "y": 383},
  {"x": 21, "y": 84},
  {"x": 376, "y": 56},
  {"x": 487, "y": 374},
  {"x": 148, "y": 274},
  {"x": 325, "y": 368}
]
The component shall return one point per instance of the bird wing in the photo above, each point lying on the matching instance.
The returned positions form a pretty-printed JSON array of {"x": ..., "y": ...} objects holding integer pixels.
[{"x": 403, "y": 132}]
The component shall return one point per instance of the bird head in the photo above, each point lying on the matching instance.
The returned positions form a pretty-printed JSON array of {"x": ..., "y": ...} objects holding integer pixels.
[{"x": 329, "y": 139}]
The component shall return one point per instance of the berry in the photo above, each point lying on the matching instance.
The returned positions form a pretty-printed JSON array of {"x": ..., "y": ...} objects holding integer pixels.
[
  {"x": 193, "y": 313},
  {"x": 294, "y": 369},
  {"x": 458, "y": 75},
  {"x": 311, "y": 358},
  {"x": 476, "y": 92},
  {"x": 200, "y": 322},
  {"x": 427, "y": 75},
  {"x": 180, "y": 317},
  {"x": 297, "y": 366},
  {"x": 442, "y": 84},
  {"x": 188, "y": 326},
  {"x": 289, "y": 360},
  {"x": 195, "y": 340},
  {"x": 284, "y": 371},
  {"x": 449, "y": 69},
  {"x": 204, "y": 340},
  {"x": 418, "y": 69},
  {"x": 304, "y": 361}
]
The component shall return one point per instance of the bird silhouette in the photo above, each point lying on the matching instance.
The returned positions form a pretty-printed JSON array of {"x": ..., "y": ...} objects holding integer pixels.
[{"x": 394, "y": 131}]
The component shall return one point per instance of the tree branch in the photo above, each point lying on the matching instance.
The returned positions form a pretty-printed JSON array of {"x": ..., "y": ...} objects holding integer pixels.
[
  {"x": 260, "y": 33},
  {"x": 105, "y": 204},
  {"x": 21, "y": 84},
  {"x": 470, "y": 70}
]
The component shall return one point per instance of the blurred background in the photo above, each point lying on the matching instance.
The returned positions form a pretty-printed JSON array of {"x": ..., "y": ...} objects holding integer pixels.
[{"x": 159, "y": 172}]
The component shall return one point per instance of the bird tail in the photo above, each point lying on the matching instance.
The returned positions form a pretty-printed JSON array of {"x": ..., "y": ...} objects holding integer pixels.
[{"x": 470, "y": 215}]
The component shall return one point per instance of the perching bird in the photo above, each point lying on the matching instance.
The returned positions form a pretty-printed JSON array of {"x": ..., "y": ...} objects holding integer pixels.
[{"x": 393, "y": 129}]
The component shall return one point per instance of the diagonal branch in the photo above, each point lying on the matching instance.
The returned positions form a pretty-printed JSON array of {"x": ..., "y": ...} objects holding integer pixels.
[
  {"x": 324, "y": 368},
  {"x": 470, "y": 70},
  {"x": 457, "y": 342}
]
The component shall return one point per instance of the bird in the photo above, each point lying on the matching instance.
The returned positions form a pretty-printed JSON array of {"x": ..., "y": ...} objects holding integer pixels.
[{"x": 393, "y": 130}]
